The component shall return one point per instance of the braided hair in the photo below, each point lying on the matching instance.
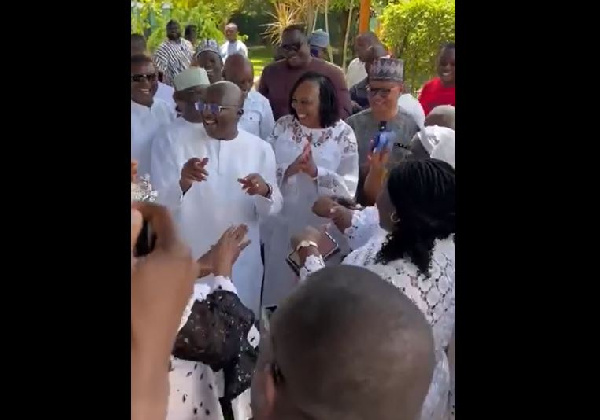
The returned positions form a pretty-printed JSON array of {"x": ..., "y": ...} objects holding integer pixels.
[{"x": 423, "y": 195}]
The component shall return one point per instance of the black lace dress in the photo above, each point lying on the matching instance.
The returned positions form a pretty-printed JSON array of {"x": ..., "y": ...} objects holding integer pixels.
[{"x": 214, "y": 357}]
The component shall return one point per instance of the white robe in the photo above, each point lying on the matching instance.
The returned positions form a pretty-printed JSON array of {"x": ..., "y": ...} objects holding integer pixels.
[
  {"x": 208, "y": 208},
  {"x": 145, "y": 123}
]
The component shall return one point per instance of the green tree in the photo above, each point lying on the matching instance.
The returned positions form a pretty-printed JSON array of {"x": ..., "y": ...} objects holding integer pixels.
[{"x": 415, "y": 30}]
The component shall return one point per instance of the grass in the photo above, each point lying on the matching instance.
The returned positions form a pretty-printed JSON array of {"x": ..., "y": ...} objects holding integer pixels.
[{"x": 260, "y": 56}]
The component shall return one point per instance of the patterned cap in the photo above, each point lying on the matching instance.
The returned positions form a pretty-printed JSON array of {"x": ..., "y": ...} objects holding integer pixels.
[
  {"x": 191, "y": 77},
  {"x": 387, "y": 69},
  {"x": 319, "y": 38},
  {"x": 208, "y": 45}
]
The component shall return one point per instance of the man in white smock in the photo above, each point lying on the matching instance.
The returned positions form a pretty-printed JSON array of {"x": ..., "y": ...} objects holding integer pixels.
[
  {"x": 227, "y": 177},
  {"x": 148, "y": 114}
]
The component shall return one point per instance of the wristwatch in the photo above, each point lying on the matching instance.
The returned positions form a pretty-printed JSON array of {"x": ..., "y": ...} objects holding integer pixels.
[{"x": 306, "y": 244}]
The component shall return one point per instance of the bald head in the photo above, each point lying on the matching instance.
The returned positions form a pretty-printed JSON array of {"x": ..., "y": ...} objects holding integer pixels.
[
  {"x": 350, "y": 345},
  {"x": 362, "y": 44},
  {"x": 224, "y": 93},
  {"x": 239, "y": 70},
  {"x": 442, "y": 115}
]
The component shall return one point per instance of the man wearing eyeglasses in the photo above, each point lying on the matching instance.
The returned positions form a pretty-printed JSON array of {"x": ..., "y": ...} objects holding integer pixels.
[
  {"x": 148, "y": 114},
  {"x": 278, "y": 78},
  {"x": 384, "y": 116},
  {"x": 223, "y": 177}
]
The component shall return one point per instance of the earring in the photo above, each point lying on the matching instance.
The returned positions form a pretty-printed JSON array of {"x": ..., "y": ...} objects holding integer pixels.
[{"x": 394, "y": 218}]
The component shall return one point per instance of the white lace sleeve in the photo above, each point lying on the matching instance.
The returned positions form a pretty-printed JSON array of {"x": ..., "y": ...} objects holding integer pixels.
[
  {"x": 343, "y": 181},
  {"x": 365, "y": 223},
  {"x": 313, "y": 263},
  {"x": 278, "y": 130}
]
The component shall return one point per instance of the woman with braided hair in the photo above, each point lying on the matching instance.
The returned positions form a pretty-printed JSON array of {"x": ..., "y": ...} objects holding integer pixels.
[{"x": 413, "y": 248}]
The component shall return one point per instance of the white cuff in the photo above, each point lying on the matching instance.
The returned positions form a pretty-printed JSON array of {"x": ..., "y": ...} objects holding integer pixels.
[
  {"x": 224, "y": 284},
  {"x": 311, "y": 264}
]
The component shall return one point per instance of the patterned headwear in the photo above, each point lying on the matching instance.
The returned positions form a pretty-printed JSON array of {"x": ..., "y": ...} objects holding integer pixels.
[
  {"x": 319, "y": 38},
  {"x": 191, "y": 77},
  {"x": 208, "y": 45},
  {"x": 387, "y": 69}
]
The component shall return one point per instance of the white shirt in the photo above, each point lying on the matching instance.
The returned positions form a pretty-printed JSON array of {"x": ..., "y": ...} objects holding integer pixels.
[
  {"x": 356, "y": 72},
  {"x": 257, "y": 118},
  {"x": 145, "y": 123},
  {"x": 165, "y": 93},
  {"x": 210, "y": 207},
  {"x": 231, "y": 48},
  {"x": 412, "y": 107}
]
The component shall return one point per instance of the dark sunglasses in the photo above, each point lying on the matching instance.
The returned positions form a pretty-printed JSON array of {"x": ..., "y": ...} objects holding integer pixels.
[
  {"x": 141, "y": 77},
  {"x": 291, "y": 47},
  {"x": 212, "y": 108},
  {"x": 384, "y": 92}
]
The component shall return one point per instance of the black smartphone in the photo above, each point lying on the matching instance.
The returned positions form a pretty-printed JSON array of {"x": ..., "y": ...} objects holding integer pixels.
[{"x": 146, "y": 241}]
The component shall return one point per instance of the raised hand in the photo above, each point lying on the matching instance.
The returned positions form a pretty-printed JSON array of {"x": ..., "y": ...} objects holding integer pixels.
[
  {"x": 194, "y": 170},
  {"x": 254, "y": 184},
  {"x": 227, "y": 250}
]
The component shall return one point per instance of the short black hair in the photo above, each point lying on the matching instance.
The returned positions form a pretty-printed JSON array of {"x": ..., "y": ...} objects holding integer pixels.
[
  {"x": 138, "y": 59},
  {"x": 329, "y": 112},
  {"x": 293, "y": 28},
  {"x": 172, "y": 22},
  {"x": 190, "y": 29}
]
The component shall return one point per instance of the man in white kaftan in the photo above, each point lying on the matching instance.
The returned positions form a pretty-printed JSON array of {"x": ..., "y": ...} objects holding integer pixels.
[
  {"x": 148, "y": 114},
  {"x": 216, "y": 176}
]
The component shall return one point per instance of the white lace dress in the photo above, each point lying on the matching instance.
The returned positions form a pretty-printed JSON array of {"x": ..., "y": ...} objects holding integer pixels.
[
  {"x": 434, "y": 295},
  {"x": 195, "y": 388},
  {"x": 335, "y": 153}
]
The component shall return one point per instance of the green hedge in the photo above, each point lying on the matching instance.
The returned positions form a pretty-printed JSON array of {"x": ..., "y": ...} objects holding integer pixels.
[{"x": 415, "y": 30}]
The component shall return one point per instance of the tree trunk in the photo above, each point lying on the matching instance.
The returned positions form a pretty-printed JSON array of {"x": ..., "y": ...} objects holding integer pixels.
[
  {"x": 346, "y": 37},
  {"x": 329, "y": 50}
]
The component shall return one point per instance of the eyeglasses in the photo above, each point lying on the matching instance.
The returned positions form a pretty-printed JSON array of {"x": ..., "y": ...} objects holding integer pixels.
[
  {"x": 384, "y": 92},
  {"x": 291, "y": 47},
  {"x": 141, "y": 77},
  {"x": 214, "y": 109}
]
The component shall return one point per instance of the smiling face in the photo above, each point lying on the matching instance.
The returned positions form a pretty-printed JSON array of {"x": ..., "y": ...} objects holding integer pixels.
[
  {"x": 305, "y": 101},
  {"x": 446, "y": 66},
  {"x": 221, "y": 110},
  {"x": 295, "y": 48},
  {"x": 144, "y": 83},
  {"x": 213, "y": 65}
]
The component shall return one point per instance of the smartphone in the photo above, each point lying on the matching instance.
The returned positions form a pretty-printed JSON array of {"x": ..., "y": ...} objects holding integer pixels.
[
  {"x": 382, "y": 141},
  {"x": 146, "y": 241},
  {"x": 328, "y": 247}
]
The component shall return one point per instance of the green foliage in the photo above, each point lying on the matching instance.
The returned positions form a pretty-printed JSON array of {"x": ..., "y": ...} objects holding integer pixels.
[
  {"x": 209, "y": 17},
  {"x": 415, "y": 30}
]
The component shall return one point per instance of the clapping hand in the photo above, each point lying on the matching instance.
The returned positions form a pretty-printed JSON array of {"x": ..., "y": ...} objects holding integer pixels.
[{"x": 303, "y": 163}]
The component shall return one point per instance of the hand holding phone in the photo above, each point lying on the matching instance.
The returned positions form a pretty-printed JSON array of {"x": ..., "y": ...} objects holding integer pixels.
[{"x": 326, "y": 245}]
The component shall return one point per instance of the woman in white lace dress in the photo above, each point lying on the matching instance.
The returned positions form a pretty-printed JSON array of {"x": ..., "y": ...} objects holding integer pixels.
[
  {"x": 408, "y": 239},
  {"x": 316, "y": 154}
]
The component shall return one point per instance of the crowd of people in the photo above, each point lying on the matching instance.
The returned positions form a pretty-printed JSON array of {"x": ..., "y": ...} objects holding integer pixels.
[{"x": 303, "y": 233}]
